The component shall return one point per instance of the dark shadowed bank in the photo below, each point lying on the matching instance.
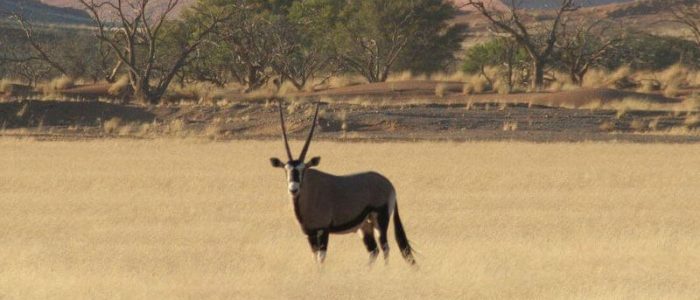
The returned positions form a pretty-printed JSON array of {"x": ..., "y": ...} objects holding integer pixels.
[{"x": 344, "y": 121}]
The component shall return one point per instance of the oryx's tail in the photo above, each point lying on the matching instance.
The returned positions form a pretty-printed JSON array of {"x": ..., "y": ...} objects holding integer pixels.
[{"x": 401, "y": 239}]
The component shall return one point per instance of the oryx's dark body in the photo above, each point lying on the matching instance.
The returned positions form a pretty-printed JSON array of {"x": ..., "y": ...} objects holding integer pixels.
[{"x": 325, "y": 203}]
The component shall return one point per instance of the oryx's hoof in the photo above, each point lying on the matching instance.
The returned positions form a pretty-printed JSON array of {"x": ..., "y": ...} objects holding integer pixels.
[
  {"x": 373, "y": 256},
  {"x": 320, "y": 257}
]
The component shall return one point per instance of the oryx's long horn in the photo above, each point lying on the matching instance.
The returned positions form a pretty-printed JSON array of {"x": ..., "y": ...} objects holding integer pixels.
[
  {"x": 311, "y": 134},
  {"x": 284, "y": 132}
]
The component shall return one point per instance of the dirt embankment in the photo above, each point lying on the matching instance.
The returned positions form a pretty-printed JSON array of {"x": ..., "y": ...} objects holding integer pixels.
[{"x": 347, "y": 121}]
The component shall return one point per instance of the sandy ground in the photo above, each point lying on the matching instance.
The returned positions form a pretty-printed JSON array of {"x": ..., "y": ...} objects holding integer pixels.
[{"x": 174, "y": 219}]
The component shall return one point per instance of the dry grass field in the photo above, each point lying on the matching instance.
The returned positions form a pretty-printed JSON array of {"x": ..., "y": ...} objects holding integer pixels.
[{"x": 184, "y": 219}]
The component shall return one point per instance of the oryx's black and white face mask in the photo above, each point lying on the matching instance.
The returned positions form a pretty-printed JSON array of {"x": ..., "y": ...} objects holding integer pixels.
[{"x": 295, "y": 168}]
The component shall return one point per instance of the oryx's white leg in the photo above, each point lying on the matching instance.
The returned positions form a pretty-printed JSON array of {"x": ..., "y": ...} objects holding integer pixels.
[{"x": 367, "y": 234}]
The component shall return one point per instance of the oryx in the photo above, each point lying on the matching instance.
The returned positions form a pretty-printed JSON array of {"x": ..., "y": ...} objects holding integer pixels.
[{"x": 325, "y": 203}]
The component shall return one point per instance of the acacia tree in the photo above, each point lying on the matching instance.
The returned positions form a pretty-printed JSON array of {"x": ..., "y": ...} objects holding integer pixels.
[
  {"x": 585, "y": 46},
  {"x": 373, "y": 34},
  {"x": 35, "y": 50},
  {"x": 298, "y": 57},
  {"x": 538, "y": 38},
  {"x": 243, "y": 49},
  {"x": 137, "y": 39},
  {"x": 687, "y": 13}
]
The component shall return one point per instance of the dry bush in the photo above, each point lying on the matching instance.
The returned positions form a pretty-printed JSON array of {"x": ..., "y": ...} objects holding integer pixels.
[
  {"x": 440, "y": 89},
  {"x": 467, "y": 89},
  {"x": 596, "y": 78},
  {"x": 287, "y": 88},
  {"x": 476, "y": 84},
  {"x": 23, "y": 111},
  {"x": 502, "y": 88},
  {"x": 458, "y": 76},
  {"x": 692, "y": 121},
  {"x": 693, "y": 78},
  {"x": 654, "y": 123},
  {"x": 672, "y": 89},
  {"x": 607, "y": 125},
  {"x": 144, "y": 129},
  {"x": 202, "y": 92},
  {"x": 213, "y": 130},
  {"x": 5, "y": 85},
  {"x": 111, "y": 126},
  {"x": 125, "y": 129},
  {"x": 648, "y": 86},
  {"x": 177, "y": 127},
  {"x": 691, "y": 103},
  {"x": 675, "y": 74},
  {"x": 401, "y": 76},
  {"x": 510, "y": 125},
  {"x": 119, "y": 87},
  {"x": 55, "y": 85},
  {"x": 638, "y": 125},
  {"x": 345, "y": 80}
]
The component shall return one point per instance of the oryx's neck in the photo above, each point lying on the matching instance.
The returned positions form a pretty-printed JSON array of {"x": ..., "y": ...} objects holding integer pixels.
[{"x": 297, "y": 211}]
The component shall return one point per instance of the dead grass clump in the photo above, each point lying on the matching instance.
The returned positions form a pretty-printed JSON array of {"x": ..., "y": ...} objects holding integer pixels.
[
  {"x": 691, "y": 103},
  {"x": 502, "y": 88},
  {"x": 475, "y": 85},
  {"x": 57, "y": 84},
  {"x": 112, "y": 125},
  {"x": 607, "y": 125},
  {"x": 287, "y": 88},
  {"x": 654, "y": 124},
  {"x": 345, "y": 80},
  {"x": 596, "y": 78},
  {"x": 119, "y": 87},
  {"x": 510, "y": 125},
  {"x": 125, "y": 130},
  {"x": 23, "y": 111},
  {"x": 675, "y": 74},
  {"x": 440, "y": 89},
  {"x": 177, "y": 127},
  {"x": 648, "y": 86},
  {"x": 144, "y": 129},
  {"x": 672, "y": 89},
  {"x": 456, "y": 76},
  {"x": 213, "y": 130},
  {"x": 5, "y": 86},
  {"x": 692, "y": 121},
  {"x": 402, "y": 76},
  {"x": 638, "y": 125}
]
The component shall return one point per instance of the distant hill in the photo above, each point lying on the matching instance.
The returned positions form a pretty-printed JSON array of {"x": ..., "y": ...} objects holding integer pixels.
[{"x": 36, "y": 11}]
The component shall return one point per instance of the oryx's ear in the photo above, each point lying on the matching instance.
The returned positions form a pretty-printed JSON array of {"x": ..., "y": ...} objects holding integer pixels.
[
  {"x": 313, "y": 162},
  {"x": 276, "y": 163}
]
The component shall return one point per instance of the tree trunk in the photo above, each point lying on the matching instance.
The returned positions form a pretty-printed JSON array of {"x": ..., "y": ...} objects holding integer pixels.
[
  {"x": 537, "y": 74},
  {"x": 573, "y": 75}
]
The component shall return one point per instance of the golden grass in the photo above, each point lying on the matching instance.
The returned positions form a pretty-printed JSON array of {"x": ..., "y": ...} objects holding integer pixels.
[
  {"x": 120, "y": 86},
  {"x": 5, "y": 85},
  {"x": 440, "y": 89},
  {"x": 186, "y": 219},
  {"x": 55, "y": 85},
  {"x": 111, "y": 126}
]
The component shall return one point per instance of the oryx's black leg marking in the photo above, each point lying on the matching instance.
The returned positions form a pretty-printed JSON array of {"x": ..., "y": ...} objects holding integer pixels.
[
  {"x": 313, "y": 241},
  {"x": 368, "y": 239},
  {"x": 323, "y": 239},
  {"x": 318, "y": 240},
  {"x": 383, "y": 223}
]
